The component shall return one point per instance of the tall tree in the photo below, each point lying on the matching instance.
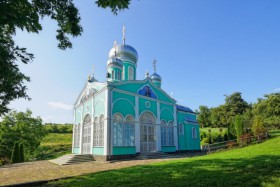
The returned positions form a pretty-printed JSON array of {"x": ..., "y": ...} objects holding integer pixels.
[
  {"x": 22, "y": 128},
  {"x": 235, "y": 105},
  {"x": 269, "y": 110},
  {"x": 26, "y": 15},
  {"x": 204, "y": 116}
]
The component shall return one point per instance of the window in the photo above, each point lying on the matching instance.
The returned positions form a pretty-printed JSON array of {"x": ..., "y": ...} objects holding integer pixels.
[
  {"x": 194, "y": 134},
  {"x": 119, "y": 75},
  {"x": 181, "y": 129},
  {"x": 77, "y": 135},
  {"x": 123, "y": 131},
  {"x": 130, "y": 73},
  {"x": 113, "y": 74},
  {"x": 95, "y": 132},
  {"x": 101, "y": 131},
  {"x": 167, "y": 133}
]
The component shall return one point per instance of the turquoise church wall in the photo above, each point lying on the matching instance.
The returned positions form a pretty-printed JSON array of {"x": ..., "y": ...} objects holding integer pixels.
[
  {"x": 98, "y": 150},
  {"x": 99, "y": 105},
  {"x": 126, "y": 64},
  {"x": 76, "y": 150},
  {"x": 124, "y": 150},
  {"x": 168, "y": 149},
  {"x": 143, "y": 107},
  {"x": 186, "y": 142},
  {"x": 123, "y": 104},
  {"x": 166, "y": 112},
  {"x": 192, "y": 143}
]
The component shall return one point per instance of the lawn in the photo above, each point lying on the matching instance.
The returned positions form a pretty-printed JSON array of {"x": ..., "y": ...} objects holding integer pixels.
[
  {"x": 255, "y": 165},
  {"x": 54, "y": 145}
]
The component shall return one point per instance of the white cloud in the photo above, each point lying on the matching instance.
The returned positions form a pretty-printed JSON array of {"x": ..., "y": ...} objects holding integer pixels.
[
  {"x": 60, "y": 105},
  {"x": 277, "y": 90}
]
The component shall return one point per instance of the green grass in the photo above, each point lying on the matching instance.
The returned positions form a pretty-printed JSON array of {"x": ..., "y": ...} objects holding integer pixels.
[
  {"x": 255, "y": 165},
  {"x": 54, "y": 145},
  {"x": 57, "y": 139}
]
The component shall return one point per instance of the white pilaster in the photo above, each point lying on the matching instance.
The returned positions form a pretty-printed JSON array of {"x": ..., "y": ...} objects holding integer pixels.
[
  {"x": 107, "y": 112},
  {"x": 81, "y": 130},
  {"x": 73, "y": 130},
  {"x": 137, "y": 125},
  {"x": 158, "y": 130},
  {"x": 91, "y": 128},
  {"x": 175, "y": 127}
]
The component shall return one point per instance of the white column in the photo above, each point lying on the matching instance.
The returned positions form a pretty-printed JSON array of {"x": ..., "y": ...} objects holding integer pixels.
[
  {"x": 175, "y": 127},
  {"x": 107, "y": 113},
  {"x": 137, "y": 125},
  {"x": 81, "y": 130},
  {"x": 158, "y": 130},
  {"x": 91, "y": 129},
  {"x": 74, "y": 130}
]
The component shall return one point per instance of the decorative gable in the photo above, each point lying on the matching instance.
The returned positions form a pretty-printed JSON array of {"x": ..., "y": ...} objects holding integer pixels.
[{"x": 147, "y": 91}]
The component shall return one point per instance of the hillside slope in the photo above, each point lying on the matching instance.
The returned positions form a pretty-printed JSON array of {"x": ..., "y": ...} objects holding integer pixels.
[{"x": 256, "y": 165}]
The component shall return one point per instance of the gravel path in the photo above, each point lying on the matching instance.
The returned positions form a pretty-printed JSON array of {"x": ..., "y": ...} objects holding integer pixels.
[{"x": 45, "y": 170}]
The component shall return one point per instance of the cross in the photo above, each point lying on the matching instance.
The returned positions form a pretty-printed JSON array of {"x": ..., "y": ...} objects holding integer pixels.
[
  {"x": 154, "y": 63},
  {"x": 115, "y": 47},
  {"x": 123, "y": 34}
]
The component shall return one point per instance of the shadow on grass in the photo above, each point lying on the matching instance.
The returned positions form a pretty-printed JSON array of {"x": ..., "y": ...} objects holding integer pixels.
[{"x": 257, "y": 171}]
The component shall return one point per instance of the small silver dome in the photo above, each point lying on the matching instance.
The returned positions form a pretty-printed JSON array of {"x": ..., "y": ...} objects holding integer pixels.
[
  {"x": 114, "y": 62},
  {"x": 156, "y": 77},
  {"x": 124, "y": 51}
]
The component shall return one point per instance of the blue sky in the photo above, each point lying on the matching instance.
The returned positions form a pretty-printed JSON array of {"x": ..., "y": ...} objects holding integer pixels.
[{"x": 205, "y": 49}]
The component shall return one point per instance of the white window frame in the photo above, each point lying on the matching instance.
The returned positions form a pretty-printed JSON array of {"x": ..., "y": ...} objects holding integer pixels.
[
  {"x": 181, "y": 129},
  {"x": 194, "y": 133},
  {"x": 130, "y": 73}
]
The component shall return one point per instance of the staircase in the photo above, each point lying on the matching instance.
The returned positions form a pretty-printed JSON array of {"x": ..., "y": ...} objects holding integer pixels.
[{"x": 72, "y": 159}]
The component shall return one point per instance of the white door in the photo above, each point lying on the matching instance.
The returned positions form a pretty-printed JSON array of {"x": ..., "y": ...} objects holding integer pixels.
[
  {"x": 86, "y": 135},
  {"x": 147, "y": 133}
]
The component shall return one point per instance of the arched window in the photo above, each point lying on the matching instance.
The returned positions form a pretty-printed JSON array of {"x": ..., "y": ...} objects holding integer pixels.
[
  {"x": 113, "y": 74},
  {"x": 77, "y": 135},
  {"x": 147, "y": 118},
  {"x": 129, "y": 131},
  {"x": 170, "y": 134},
  {"x": 130, "y": 73},
  {"x": 194, "y": 134},
  {"x": 101, "y": 131},
  {"x": 167, "y": 133},
  {"x": 181, "y": 129},
  {"x": 95, "y": 132},
  {"x": 119, "y": 75},
  {"x": 163, "y": 132},
  {"x": 117, "y": 130}
]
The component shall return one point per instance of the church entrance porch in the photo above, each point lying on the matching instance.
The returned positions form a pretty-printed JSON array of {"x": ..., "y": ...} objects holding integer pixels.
[{"x": 147, "y": 133}]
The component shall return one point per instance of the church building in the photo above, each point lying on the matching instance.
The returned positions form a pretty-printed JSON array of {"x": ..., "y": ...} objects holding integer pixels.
[{"x": 124, "y": 117}]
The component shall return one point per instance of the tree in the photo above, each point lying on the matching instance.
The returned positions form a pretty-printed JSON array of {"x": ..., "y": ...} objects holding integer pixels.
[
  {"x": 22, "y": 128},
  {"x": 269, "y": 110},
  {"x": 239, "y": 126},
  {"x": 218, "y": 116},
  {"x": 235, "y": 105},
  {"x": 26, "y": 15},
  {"x": 204, "y": 116},
  {"x": 258, "y": 127},
  {"x": 15, "y": 154}
]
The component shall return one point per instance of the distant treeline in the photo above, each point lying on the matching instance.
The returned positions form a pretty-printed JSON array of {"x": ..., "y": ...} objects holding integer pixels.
[
  {"x": 266, "y": 109},
  {"x": 59, "y": 128}
]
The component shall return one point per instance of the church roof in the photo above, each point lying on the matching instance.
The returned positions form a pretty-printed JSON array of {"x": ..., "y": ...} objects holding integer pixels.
[{"x": 184, "y": 108}]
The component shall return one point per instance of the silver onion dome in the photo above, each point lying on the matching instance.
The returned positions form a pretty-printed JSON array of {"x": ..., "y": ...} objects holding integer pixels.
[
  {"x": 114, "y": 62},
  {"x": 124, "y": 51},
  {"x": 156, "y": 77}
]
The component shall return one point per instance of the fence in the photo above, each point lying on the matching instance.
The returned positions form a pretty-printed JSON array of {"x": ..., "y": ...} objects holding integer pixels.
[{"x": 245, "y": 140}]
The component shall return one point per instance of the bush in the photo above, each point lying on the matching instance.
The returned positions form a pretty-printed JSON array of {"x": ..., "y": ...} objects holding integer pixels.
[
  {"x": 225, "y": 137},
  {"x": 15, "y": 154},
  {"x": 258, "y": 128},
  {"x": 245, "y": 139},
  {"x": 205, "y": 141}
]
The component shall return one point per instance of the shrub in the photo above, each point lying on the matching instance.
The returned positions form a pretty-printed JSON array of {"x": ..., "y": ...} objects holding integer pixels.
[
  {"x": 245, "y": 139},
  {"x": 15, "y": 154},
  {"x": 258, "y": 128}
]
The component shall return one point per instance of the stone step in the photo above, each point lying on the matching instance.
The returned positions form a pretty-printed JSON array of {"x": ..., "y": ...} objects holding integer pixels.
[{"x": 72, "y": 159}]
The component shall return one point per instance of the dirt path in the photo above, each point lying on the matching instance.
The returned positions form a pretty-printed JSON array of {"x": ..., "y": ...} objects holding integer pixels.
[{"x": 45, "y": 170}]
